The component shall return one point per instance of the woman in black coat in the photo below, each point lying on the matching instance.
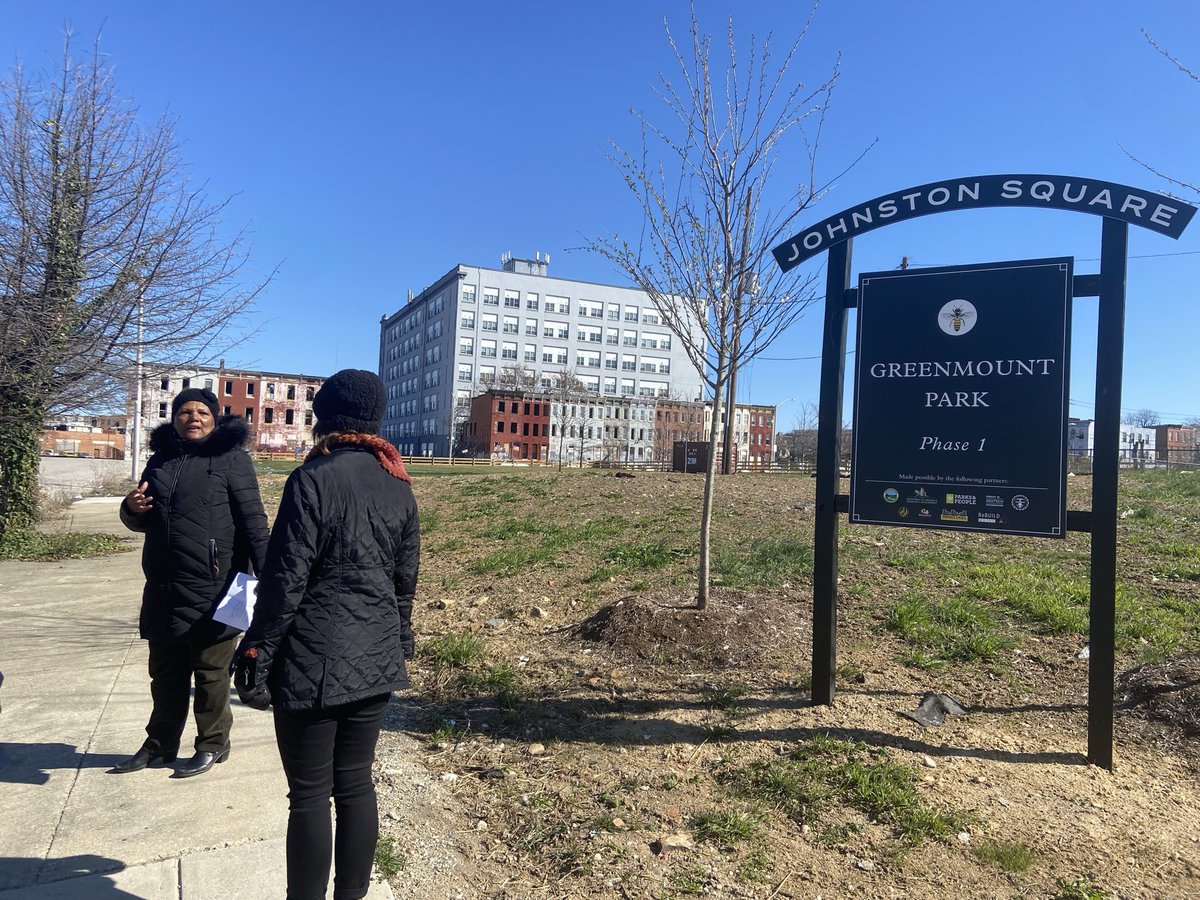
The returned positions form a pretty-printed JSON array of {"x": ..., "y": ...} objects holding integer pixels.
[
  {"x": 199, "y": 506},
  {"x": 331, "y": 631}
]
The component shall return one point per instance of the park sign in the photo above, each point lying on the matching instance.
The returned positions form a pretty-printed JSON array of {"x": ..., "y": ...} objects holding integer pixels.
[
  {"x": 967, "y": 366},
  {"x": 960, "y": 398},
  {"x": 1132, "y": 205}
]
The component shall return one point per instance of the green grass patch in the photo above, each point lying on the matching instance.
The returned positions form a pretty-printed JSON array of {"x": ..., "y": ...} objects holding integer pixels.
[
  {"x": 1041, "y": 593},
  {"x": 822, "y": 771},
  {"x": 956, "y": 629},
  {"x": 388, "y": 861},
  {"x": 37, "y": 546},
  {"x": 1078, "y": 889},
  {"x": 1011, "y": 856},
  {"x": 512, "y": 561},
  {"x": 763, "y": 562},
  {"x": 429, "y": 520},
  {"x": 452, "y": 650},
  {"x": 640, "y": 557},
  {"x": 727, "y": 827}
]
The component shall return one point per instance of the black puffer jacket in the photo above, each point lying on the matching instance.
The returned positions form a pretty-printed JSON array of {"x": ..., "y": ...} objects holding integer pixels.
[
  {"x": 206, "y": 525},
  {"x": 332, "y": 623}
]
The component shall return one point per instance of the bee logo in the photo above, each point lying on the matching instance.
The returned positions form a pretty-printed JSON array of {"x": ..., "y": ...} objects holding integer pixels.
[{"x": 957, "y": 317}]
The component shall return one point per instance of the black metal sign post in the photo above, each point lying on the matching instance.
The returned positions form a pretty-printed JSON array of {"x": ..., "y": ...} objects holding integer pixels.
[{"x": 1120, "y": 206}]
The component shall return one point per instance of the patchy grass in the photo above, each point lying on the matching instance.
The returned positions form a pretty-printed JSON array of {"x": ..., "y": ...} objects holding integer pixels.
[
  {"x": 388, "y": 861},
  {"x": 452, "y": 650},
  {"x": 1078, "y": 889},
  {"x": 727, "y": 827},
  {"x": 822, "y": 771},
  {"x": 1010, "y": 856},
  {"x": 763, "y": 563},
  {"x": 955, "y": 629},
  {"x": 38, "y": 546}
]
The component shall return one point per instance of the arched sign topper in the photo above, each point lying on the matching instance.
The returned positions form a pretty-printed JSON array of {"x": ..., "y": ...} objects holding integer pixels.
[
  {"x": 1135, "y": 206},
  {"x": 943, "y": 375}
]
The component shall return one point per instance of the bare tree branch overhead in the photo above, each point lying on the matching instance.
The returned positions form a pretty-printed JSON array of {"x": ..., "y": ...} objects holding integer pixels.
[
  {"x": 99, "y": 227},
  {"x": 702, "y": 181},
  {"x": 1191, "y": 186}
]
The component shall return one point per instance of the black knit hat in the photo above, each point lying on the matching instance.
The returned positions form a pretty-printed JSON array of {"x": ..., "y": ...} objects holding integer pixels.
[
  {"x": 200, "y": 395},
  {"x": 351, "y": 400}
]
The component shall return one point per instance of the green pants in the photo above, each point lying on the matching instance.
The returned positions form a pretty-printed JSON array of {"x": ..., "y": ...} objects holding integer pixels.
[{"x": 173, "y": 666}]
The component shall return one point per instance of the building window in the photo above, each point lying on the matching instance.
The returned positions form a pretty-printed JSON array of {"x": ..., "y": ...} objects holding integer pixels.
[
  {"x": 225, "y": 410},
  {"x": 512, "y": 299},
  {"x": 186, "y": 383},
  {"x": 499, "y": 428},
  {"x": 162, "y": 410},
  {"x": 250, "y": 415},
  {"x": 289, "y": 417},
  {"x": 309, "y": 393},
  {"x": 468, "y": 318},
  {"x": 466, "y": 346},
  {"x": 531, "y": 301},
  {"x": 228, "y": 388},
  {"x": 250, "y": 389},
  {"x": 491, "y": 296},
  {"x": 268, "y": 415},
  {"x": 468, "y": 293},
  {"x": 308, "y": 417},
  {"x": 165, "y": 384}
]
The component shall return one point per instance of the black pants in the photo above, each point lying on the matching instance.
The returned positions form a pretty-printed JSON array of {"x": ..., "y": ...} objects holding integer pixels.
[
  {"x": 324, "y": 752},
  {"x": 173, "y": 664}
]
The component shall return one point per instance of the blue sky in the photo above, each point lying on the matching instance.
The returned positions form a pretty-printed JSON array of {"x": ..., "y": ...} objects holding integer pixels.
[{"x": 372, "y": 146}]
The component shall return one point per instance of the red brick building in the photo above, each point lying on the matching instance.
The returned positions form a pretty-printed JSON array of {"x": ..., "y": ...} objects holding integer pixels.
[
  {"x": 510, "y": 424},
  {"x": 1176, "y": 444}
]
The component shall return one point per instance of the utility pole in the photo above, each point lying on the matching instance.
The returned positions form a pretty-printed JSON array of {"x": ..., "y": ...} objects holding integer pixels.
[{"x": 136, "y": 468}]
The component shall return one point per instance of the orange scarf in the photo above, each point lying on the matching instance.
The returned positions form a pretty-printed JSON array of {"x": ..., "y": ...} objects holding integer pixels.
[{"x": 386, "y": 453}]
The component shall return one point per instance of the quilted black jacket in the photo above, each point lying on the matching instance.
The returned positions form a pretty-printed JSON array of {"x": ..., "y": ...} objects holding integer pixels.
[
  {"x": 206, "y": 525},
  {"x": 332, "y": 622}
]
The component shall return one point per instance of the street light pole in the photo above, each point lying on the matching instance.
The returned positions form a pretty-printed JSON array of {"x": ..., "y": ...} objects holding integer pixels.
[{"x": 137, "y": 403}]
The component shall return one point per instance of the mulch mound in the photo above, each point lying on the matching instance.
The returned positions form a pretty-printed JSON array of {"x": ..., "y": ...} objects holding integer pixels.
[
  {"x": 735, "y": 630},
  {"x": 1166, "y": 692}
]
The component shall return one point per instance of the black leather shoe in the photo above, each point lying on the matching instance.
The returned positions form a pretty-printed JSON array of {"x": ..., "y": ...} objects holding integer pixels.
[
  {"x": 143, "y": 758},
  {"x": 202, "y": 762}
]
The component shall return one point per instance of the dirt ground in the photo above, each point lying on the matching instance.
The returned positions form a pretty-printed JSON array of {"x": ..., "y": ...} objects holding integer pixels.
[{"x": 623, "y": 714}]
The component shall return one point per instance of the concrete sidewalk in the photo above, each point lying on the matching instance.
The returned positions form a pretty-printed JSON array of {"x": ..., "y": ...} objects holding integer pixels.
[{"x": 75, "y": 701}]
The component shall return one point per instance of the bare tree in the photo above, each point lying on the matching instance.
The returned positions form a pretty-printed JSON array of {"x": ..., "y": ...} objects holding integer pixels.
[
  {"x": 518, "y": 376},
  {"x": 104, "y": 249},
  {"x": 799, "y": 446},
  {"x": 704, "y": 255},
  {"x": 569, "y": 398},
  {"x": 1190, "y": 186},
  {"x": 1142, "y": 418}
]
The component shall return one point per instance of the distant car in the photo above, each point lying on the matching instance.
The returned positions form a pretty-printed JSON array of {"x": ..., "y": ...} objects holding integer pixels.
[{"x": 84, "y": 455}]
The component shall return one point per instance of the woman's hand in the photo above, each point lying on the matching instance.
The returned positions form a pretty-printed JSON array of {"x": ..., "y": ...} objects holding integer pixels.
[{"x": 137, "y": 501}]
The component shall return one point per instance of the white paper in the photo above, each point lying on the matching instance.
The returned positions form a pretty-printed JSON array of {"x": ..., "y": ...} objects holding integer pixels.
[{"x": 236, "y": 608}]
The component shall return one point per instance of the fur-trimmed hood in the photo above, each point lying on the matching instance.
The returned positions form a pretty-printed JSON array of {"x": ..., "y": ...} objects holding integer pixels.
[{"x": 230, "y": 432}]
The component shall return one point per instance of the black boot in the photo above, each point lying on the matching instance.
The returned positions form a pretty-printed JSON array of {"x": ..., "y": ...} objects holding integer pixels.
[
  {"x": 144, "y": 758},
  {"x": 202, "y": 762}
]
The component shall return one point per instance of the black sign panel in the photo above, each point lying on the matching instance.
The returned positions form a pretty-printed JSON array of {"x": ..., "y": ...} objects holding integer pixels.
[
  {"x": 960, "y": 398},
  {"x": 1136, "y": 206}
]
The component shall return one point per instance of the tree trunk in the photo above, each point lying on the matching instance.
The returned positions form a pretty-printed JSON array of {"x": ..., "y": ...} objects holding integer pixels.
[
  {"x": 20, "y": 434},
  {"x": 710, "y": 477},
  {"x": 729, "y": 458}
]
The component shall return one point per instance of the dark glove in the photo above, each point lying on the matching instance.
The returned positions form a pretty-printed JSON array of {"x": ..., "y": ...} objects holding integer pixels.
[
  {"x": 408, "y": 645},
  {"x": 245, "y": 679}
]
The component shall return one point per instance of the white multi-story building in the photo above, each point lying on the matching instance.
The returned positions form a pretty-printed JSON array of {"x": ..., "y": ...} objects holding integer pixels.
[
  {"x": 1136, "y": 443},
  {"x": 461, "y": 334}
]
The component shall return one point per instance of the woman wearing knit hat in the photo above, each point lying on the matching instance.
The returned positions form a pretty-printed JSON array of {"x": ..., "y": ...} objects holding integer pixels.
[
  {"x": 199, "y": 506},
  {"x": 332, "y": 630}
]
